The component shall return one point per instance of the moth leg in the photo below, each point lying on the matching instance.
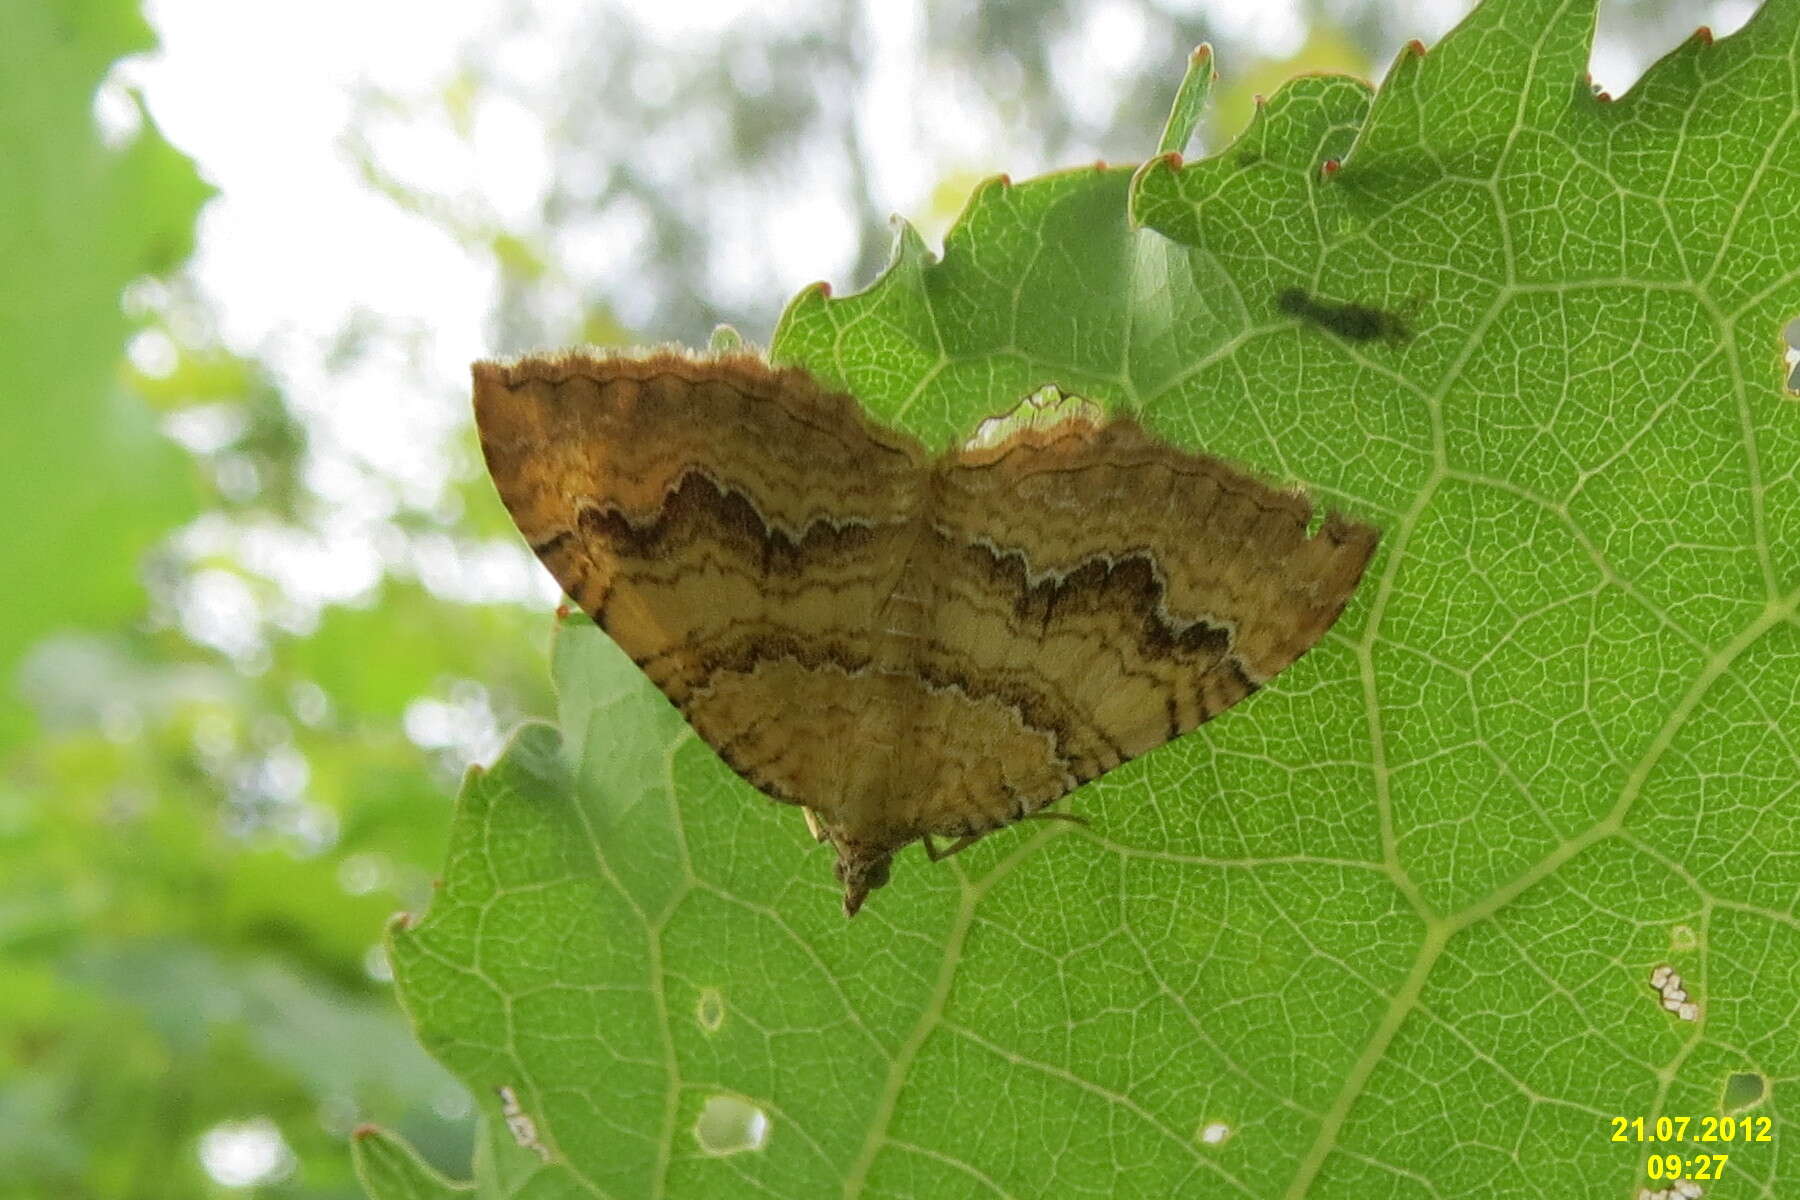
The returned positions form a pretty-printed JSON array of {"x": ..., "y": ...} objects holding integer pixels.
[
  {"x": 956, "y": 847},
  {"x": 963, "y": 843},
  {"x": 1045, "y": 814},
  {"x": 814, "y": 827}
]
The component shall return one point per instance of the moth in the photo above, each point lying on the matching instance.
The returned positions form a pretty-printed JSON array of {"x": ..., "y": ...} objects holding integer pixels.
[{"x": 913, "y": 647}]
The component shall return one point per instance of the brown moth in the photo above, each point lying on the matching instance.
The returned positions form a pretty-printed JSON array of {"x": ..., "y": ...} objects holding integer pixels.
[{"x": 911, "y": 646}]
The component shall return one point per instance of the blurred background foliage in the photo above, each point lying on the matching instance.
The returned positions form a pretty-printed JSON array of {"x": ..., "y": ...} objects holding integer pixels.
[{"x": 262, "y": 608}]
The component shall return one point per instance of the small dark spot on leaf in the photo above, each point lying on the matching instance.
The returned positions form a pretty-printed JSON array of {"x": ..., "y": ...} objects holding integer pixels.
[
  {"x": 1350, "y": 321},
  {"x": 710, "y": 1010}
]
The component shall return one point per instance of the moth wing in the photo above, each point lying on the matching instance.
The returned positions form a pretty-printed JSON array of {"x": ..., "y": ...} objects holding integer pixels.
[
  {"x": 732, "y": 526},
  {"x": 1113, "y": 592}
]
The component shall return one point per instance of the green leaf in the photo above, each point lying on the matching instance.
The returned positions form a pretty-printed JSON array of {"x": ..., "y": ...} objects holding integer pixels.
[
  {"x": 390, "y": 1170},
  {"x": 1190, "y": 102},
  {"x": 78, "y": 221},
  {"x": 1388, "y": 929}
]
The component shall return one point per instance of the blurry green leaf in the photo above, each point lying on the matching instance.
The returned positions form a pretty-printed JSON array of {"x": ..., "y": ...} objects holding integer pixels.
[
  {"x": 1327, "y": 48},
  {"x": 517, "y": 257},
  {"x": 391, "y": 1171},
  {"x": 405, "y": 643},
  {"x": 90, "y": 482},
  {"x": 1386, "y": 929},
  {"x": 178, "y": 953},
  {"x": 126, "y": 1055}
]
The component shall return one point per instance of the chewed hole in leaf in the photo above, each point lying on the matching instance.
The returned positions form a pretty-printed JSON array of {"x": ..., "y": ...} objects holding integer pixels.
[
  {"x": 731, "y": 1125},
  {"x": 1047, "y": 406},
  {"x": 709, "y": 1010},
  {"x": 1743, "y": 1089},
  {"x": 1214, "y": 1132},
  {"x": 1791, "y": 335}
]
